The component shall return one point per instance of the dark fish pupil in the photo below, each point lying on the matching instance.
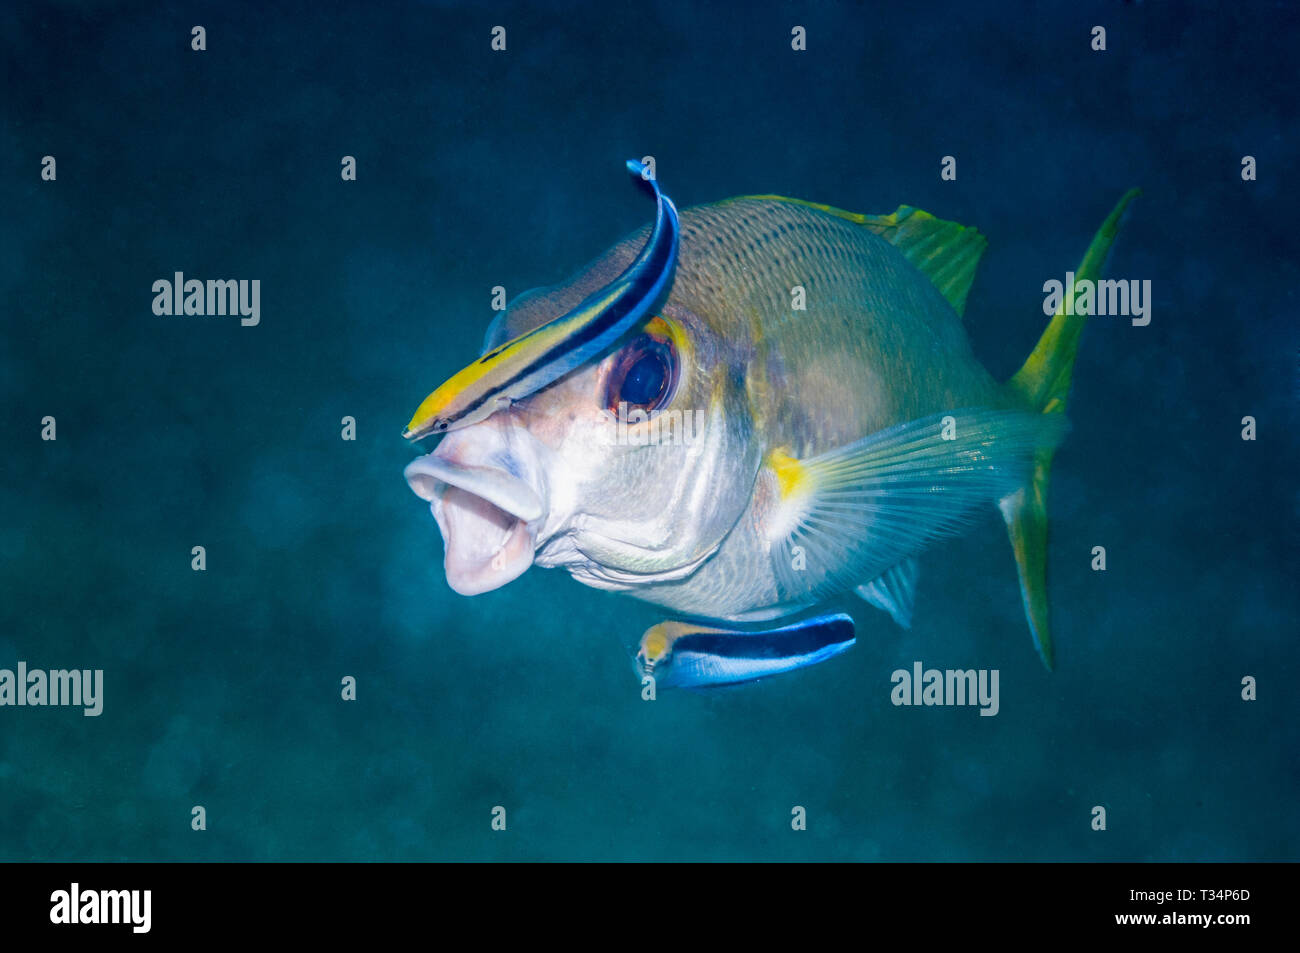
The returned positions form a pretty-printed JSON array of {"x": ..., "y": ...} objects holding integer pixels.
[{"x": 645, "y": 380}]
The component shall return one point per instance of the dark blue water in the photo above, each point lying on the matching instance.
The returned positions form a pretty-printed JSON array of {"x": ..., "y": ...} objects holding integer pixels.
[{"x": 475, "y": 169}]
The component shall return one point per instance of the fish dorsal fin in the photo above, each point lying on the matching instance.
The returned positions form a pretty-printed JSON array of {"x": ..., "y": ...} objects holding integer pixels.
[{"x": 945, "y": 252}]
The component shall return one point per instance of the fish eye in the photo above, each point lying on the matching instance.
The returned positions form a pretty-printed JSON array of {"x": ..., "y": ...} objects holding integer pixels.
[
  {"x": 645, "y": 380},
  {"x": 643, "y": 376}
]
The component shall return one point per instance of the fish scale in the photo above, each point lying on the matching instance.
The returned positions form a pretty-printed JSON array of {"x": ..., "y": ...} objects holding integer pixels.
[
  {"x": 866, "y": 307},
  {"x": 865, "y": 302}
]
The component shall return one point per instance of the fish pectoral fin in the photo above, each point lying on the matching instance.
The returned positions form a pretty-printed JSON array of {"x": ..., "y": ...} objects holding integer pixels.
[
  {"x": 855, "y": 512},
  {"x": 894, "y": 590},
  {"x": 683, "y": 655}
]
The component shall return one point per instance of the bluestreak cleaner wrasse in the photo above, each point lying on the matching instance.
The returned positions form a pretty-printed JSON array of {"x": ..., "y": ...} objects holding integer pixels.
[
  {"x": 683, "y": 655},
  {"x": 527, "y": 363},
  {"x": 744, "y": 411}
]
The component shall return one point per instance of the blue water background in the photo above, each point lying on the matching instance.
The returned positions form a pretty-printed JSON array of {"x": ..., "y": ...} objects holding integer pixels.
[{"x": 478, "y": 169}]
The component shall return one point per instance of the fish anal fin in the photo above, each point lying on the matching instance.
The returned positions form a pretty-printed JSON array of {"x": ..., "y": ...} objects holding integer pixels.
[{"x": 894, "y": 591}]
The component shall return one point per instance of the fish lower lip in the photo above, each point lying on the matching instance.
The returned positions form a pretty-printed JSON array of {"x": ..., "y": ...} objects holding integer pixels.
[
  {"x": 486, "y": 547},
  {"x": 505, "y": 538},
  {"x": 488, "y": 517}
]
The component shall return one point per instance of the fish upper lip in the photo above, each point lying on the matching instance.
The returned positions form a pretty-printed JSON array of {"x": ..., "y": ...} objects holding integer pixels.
[{"x": 499, "y": 487}]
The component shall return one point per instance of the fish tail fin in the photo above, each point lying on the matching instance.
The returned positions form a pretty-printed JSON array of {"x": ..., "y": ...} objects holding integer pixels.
[{"x": 1044, "y": 381}]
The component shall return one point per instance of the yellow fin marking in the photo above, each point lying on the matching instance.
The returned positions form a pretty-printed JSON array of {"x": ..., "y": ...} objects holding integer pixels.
[{"x": 789, "y": 472}]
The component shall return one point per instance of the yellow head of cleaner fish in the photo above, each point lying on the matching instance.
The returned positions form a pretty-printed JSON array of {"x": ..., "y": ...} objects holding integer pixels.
[{"x": 664, "y": 423}]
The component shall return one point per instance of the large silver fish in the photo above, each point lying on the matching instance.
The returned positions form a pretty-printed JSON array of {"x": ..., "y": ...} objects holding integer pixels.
[{"x": 754, "y": 407}]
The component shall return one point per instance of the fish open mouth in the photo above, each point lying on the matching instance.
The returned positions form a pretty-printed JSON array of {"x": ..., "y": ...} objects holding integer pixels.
[{"x": 488, "y": 518}]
